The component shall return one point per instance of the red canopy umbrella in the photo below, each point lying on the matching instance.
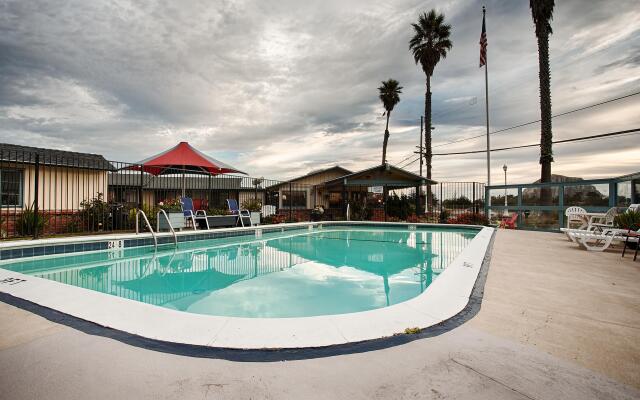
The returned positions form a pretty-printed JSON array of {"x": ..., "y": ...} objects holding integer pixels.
[{"x": 185, "y": 159}]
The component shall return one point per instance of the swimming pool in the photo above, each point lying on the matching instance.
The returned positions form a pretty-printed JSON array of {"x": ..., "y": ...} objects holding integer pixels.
[
  {"x": 301, "y": 285},
  {"x": 333, "y": 270}
]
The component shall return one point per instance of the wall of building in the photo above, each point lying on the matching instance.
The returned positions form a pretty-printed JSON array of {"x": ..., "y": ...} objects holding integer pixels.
[
  {"x": 312, "y": 185},
  {"x": 62, "y": 188}
]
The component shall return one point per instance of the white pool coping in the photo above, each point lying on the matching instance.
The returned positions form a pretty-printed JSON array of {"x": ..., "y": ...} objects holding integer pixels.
[{"x": 443, "y": 299}]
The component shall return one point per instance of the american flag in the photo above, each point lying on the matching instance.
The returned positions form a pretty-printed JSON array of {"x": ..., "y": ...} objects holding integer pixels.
[{"x": 483, "y": 44}]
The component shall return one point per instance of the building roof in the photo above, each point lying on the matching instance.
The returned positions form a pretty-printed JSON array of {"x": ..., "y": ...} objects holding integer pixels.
[
  {"x": 13, "y": 153},
  {"x": 321, "y": 171},
  {"x": 382, "y": 175}
]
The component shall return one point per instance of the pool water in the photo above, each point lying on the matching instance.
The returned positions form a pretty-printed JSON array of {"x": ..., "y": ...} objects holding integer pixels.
[{"x": 332, "y": 270}]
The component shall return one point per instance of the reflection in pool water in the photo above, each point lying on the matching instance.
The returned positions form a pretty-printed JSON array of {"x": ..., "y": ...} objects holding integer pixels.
[{"x": 292, "y": 274}]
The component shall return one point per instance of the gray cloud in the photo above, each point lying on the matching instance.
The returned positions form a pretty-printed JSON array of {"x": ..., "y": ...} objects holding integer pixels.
[{"x": 280, "y": 88}]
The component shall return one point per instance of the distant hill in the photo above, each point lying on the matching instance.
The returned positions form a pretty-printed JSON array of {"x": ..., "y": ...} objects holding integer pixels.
[
  {"x": 573, "y": 195},
  {"x": 561, "y": 178}
]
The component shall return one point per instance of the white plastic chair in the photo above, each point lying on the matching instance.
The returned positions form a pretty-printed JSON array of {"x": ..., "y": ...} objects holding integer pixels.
[
  {"x": 604, "y": 222},
  {"x": 576, "y": 215}
]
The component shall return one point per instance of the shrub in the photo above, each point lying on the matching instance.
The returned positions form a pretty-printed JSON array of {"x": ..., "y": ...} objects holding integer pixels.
[
  {"x": 253, "y": 205},
  {"x": 217, "y": 211},
  {"x": 171, "y": 205},
  {"x": 27, "y": 223},
  {"x": 628, "y": 220},
  {"x": 274, "y": 219},
  {"x": 94, "y": 213},
  {"x": 359, "y": 211},
  {"x": 469, "y": 219}
]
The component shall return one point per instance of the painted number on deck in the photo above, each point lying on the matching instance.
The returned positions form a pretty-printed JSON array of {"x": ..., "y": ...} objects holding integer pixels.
[{"x": 12, "y": 281}]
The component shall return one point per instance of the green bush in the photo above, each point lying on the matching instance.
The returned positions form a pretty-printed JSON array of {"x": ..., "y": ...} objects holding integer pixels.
[
  {"x": 29, "y": 221},
  {"x": 252, "y": 205},
  {"x": 401, "y": 207},
  {"x": 628, "y": 220},
  {"x": 94, "y": 214},
  {"x": 217, "y": 211}
]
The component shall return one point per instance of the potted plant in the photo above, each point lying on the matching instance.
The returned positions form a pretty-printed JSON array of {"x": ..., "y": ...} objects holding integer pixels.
[
  {"x": 254, "y": 206},
  {"x": 317, "y": 213},
  {"x": 173, "y": 208},
  {"x": 628, "y": 220},
  {"x": 219, "y": 218}
]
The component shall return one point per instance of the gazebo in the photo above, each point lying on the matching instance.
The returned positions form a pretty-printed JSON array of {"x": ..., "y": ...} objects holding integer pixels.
[
  {"x": 183, "y": 159},
  {"x": 386, "y": 176}
]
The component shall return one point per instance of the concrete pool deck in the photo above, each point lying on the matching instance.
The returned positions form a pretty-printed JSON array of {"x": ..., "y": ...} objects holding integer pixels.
[{"x": 555, "y": 322}]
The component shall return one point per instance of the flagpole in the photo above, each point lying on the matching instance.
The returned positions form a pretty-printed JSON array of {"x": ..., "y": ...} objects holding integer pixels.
[{"x": 486, "y": 95}]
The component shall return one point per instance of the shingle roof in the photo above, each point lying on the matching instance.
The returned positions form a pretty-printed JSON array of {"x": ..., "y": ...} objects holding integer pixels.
[{"x": 14, "y": 153}]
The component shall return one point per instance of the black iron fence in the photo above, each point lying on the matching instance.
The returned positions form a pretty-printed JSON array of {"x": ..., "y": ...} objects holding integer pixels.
[{"x": 45, "y": 193}]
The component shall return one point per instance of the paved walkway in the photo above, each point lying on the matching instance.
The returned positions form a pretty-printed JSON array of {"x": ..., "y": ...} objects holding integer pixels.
[{"x": 556, "y": 323}]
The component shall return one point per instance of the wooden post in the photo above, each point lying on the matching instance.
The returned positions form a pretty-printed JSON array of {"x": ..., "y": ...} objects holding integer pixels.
[{"x": 417, "y": 200}]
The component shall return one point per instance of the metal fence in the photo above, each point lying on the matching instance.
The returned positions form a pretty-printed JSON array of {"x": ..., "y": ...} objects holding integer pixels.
[
  {"x": 542, "y": 206},
  {"x": 45, "y": 193}
]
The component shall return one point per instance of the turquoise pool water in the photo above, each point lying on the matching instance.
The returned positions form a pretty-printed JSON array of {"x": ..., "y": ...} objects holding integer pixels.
[{"x": 333, "y": 270}]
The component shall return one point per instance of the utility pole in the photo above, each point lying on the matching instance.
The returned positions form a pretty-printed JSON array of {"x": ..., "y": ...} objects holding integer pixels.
[{"x": 421, "y": 133}]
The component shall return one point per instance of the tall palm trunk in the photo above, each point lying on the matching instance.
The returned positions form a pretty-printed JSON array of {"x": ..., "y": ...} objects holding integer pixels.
[
  {"x": 427, "y": 140},
  {"x": 546, "y": 138},
  {"x": 386, "y": 140}
]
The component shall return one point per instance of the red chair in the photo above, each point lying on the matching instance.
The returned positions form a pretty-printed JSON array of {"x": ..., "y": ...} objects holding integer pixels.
[{"x": 509, "y": 222}]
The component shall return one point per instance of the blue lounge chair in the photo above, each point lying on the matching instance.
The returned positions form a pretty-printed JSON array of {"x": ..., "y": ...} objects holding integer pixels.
[
  {"x": 235, "y": 210},
  {"x": 191, "y": 215}
]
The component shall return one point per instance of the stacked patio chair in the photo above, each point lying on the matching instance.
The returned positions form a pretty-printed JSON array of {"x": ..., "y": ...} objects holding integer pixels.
[
  {"x": 241, "y": 213},
  {"x": 191, "y": 215}
]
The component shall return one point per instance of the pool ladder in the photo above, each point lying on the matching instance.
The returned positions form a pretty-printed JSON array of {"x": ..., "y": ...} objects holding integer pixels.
[{"x": 146, "y": 220}]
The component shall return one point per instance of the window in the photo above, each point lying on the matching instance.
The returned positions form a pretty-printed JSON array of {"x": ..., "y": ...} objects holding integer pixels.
[
  {"x": 335, "y": 199},
  {"x": 10, "y": 187},
  {"x": 624, "y": 194},
  {"x": 295, "y": 199}
]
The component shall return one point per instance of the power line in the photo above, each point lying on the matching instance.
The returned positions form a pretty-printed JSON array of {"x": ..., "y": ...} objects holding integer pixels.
[
  {"x": 536, "y": 121},
  {"x": 582, "y": 138},
  {"x": 513, "y": 127}
]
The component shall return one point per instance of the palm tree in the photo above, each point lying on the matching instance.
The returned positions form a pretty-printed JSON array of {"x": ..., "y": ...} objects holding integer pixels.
[
  {"x": 429, "y": 44},
  {"x": 389, "y": 95},
  {"x": 542, "y": 12}
]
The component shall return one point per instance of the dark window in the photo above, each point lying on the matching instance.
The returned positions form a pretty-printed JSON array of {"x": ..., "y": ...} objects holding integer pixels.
[
  {"x": 335, "y": 199},
  {"x": 296, "y": 198},
  {"x": 11, "y": 187}
]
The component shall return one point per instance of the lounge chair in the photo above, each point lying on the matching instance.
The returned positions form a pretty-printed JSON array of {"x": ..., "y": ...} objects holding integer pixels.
[
  {"x": 191, "y": 215},
  {"x": 600, "y": 241},
  {"x": 240, "y": 213},
  {"x": 576, "y": 215},
  {"x": 605, "y": 222}
]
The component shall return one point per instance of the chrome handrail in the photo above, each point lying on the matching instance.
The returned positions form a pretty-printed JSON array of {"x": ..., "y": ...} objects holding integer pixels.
[
  {"x": 175, "y": 237},
  {"x": 155, "y": 239}
]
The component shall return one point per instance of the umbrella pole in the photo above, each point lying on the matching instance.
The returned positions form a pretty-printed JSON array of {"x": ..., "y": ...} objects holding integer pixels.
[{"x": 183, "y": 181}]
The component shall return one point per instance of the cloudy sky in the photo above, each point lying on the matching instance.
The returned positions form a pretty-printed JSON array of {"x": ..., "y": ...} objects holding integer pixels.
[{"x": 278, "y": 88}]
